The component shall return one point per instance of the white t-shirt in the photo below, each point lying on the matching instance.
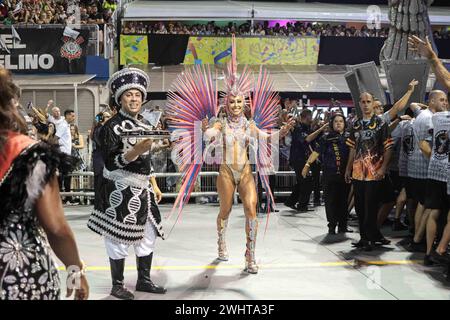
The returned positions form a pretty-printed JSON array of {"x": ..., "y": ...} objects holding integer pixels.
[
  {"x": 417, "y": 161},
  {"x": 437, "y": 169},
  {"x": 448, "y": 170},
  {"x": 63, "y": 133},
  {"x": 396, "y": 136},
  {"x": 386, "y": 117},
  {"x": 406, "y": 140}
]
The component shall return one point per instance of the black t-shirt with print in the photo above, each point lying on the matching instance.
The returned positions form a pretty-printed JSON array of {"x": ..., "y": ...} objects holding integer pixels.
[{"x": 370, "y": 139}]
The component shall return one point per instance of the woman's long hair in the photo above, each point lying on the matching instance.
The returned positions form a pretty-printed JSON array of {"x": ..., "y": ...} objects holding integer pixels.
[
  {"x": 10, "y": 118},
  {"x": 77, "y": 133}
]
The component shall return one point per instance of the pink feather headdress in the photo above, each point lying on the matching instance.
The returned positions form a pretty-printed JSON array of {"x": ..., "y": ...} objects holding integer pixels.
[{"x": 236, "y": 84}]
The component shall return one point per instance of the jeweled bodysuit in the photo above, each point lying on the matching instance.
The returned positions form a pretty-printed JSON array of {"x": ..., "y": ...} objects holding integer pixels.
[{"x": 236, "y": 136}]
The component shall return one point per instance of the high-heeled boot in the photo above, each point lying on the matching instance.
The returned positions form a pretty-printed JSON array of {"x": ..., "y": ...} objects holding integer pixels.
[
  {"x": 251, "y": 228},
  {"x": 221, "y": 244}
]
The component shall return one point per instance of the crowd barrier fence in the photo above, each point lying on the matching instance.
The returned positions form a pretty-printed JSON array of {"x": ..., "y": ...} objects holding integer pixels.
[{"x": 83, "y": 182}]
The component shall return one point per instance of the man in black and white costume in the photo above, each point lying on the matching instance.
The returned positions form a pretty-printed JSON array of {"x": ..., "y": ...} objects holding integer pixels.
[{"x": 126, "y": 212}]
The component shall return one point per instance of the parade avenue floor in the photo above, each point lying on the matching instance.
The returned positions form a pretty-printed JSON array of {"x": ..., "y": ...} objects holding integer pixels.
[{"x": 297, "y": 260}]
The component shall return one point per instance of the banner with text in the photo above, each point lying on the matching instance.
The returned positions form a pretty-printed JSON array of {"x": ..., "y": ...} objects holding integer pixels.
[{"x": 43, "y": 50}]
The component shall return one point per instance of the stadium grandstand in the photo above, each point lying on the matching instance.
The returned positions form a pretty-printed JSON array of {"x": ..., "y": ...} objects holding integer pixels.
[{"x": 113, "y": 27}]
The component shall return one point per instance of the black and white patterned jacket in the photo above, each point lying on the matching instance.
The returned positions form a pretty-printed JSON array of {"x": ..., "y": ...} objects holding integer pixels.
[{"x": 126, "y": 198}]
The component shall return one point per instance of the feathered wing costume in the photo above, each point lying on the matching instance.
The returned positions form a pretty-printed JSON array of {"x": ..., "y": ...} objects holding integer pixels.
[
  {"x": 193, "y": 99},
  {"x": 265, "y": 115}
]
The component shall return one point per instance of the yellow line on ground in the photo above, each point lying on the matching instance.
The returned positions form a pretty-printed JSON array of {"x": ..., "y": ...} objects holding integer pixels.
[
  {"x": 392, "y": 262},
  {"x": 265, "y": 266}
]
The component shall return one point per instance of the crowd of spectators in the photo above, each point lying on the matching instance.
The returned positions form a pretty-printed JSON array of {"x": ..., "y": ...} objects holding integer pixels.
[
  {"x": 443, "y": 34},
  {"x": 259, "y": 28},
  {"x": 100, "y": 12},
  {"x": 56, "y": 11}
]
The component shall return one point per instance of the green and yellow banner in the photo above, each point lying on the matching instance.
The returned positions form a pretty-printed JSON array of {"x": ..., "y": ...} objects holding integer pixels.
[
  {"x": 217, "y": 50},
  {"x": 133, "y": 49},
  {"x": 261, "y": 50},
  {"x": 278, "y": 51}
]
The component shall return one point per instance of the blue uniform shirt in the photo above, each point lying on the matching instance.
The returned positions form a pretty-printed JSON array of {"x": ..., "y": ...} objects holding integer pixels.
[{"x": 333, "y": 153}]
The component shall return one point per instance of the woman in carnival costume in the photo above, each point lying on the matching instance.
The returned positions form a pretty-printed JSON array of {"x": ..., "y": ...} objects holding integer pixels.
[
  {"x": 193, "y": 101},
  {"x": 32, "y": 222}
]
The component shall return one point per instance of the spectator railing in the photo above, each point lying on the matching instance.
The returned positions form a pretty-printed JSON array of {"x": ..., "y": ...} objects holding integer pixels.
[
  {"x": 109, "y": 40},
  {"x": 85, "y": 182},
  {"x": 110, "y": 30},
  {"x": 168, "y": 180}
]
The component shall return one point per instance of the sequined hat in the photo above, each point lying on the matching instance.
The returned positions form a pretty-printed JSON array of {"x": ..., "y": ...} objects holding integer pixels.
[{"x": 126, "y": 79}]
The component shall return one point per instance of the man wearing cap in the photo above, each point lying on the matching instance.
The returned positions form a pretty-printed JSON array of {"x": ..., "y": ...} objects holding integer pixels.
[{"x": 126, "y": 211}]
